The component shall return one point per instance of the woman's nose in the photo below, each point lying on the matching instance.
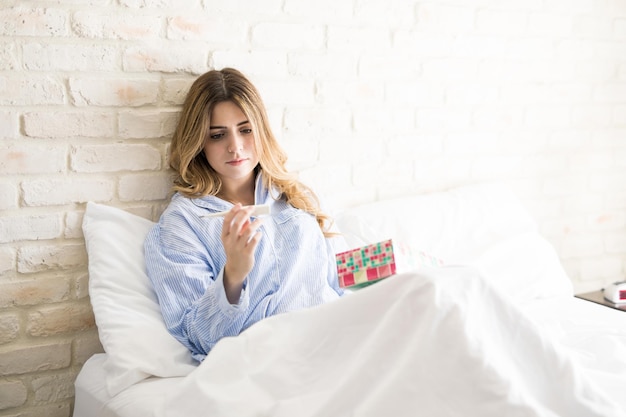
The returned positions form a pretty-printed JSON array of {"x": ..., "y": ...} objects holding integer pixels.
[{"x": 236, "y": 142}]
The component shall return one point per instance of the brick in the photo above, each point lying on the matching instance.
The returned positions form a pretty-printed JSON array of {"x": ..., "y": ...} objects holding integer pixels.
[
  {"x": 8, "y": 56},
  {"x": 497, "y": 116},
  {"x": 571, "y": 6},
  {"x": 450, "y": 69},
  {"x": 424, "y": 44},
  {"x": 124, "y": 26},
  {"x": 581, "y": 246},
  {"x": 265, "y": 7},
  {"x": 416, "y": 93},
  {"x": 64, "y": 124},
  {"x": 550, "y": 24},
  {"x": 73, "y": 225},
  {"x": 328, "y": 10},
  {"x": 536, "y": 48},
  {"x": 23, "y": 21},
  {"x": 53, "y": 388},
  {"x": 154, "y": 4},
  {"x": 370, "y": 119},
  {"x": 19, "y": 360},
  {"x": 327, "y": 178},
  {"x": 610, "y": 93},
  {"x": 439, "y": 18},
  {"x": 170, "y": 57},
  {"x": 619, "y": 28},
  {"x": 376, "y": 67},
  {"x": 200, "y": 27},
  {"x": 565, "y": 185},
  {"x": 12, "y": 394},
  {"x": 592, "y": 116},
  {"x": 606, "y": 268},
  {"x": 46, "y": 192},
  {"x": 8, "y": 196},
  {"x": 606, "y": 220},
  {"x": 114, "y": 158},
  {"x": 352, "y": 92},
  {"x": 81, "y": 285},
  {"x": 145, "y": 187},
  {"x": 9, "y": 329},
  {"x": 615, "y": 243},
  {"x": 288, "y": 36},
  {"x": 29, "y": 159},
  {"x": 147, "y": 124},
  {"x": 291, "y": 92},
  {"x": 44, "y": 258},
  {"x": 70, "y": 57},
  {"x": 85, "y": 346},
  {"x": 9, "y": 124},
  {"x": 312, "y": 122},
  {"x": 358, "y": 39},
  {"x": 399, "y": 173},
  {"x": 31, "y": 90},
  {"x": 548, "y": 117},
  {"x": 58, "y": 319},
  {"x": 174, "y": 91},
  {"x": 30, "y": 227},
  {"x": 480, "y": 46},
  {"x": 8, "y": 258},
  {"x": 390, "y": 13},
  {"x": 33, "y": 292},
  {"x": 500, "y": 166},
  {"x": 591, "y": 161},
  {"x": 606, "y": 182},
  {"x": 472, "y": 94},
  {"x": 62, "y": 409},
  {"x": 113, "y": 92},
  {"x": 319, "y": 64},
  {"x": 501, "y": 22},
  {"x": 471, "y": 143},
  {"x": 252, "y": 63}
]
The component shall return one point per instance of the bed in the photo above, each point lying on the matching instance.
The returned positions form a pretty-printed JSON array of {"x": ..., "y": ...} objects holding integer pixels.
[{"x": 494, "y": 331}]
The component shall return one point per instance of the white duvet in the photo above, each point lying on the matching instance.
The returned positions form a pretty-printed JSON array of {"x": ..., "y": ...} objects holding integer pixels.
[{"x": 441, "y": 342}]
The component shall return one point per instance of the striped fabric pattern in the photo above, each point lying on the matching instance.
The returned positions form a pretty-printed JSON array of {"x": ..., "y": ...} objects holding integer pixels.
[{"x": 294, "y": 269}]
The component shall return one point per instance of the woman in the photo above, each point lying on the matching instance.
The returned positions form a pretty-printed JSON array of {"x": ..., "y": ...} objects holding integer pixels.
[{"x": 215, "y": 277}]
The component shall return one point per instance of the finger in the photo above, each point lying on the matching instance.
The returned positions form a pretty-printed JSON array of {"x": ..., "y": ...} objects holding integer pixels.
[
  {"x": 228, "y": 219},
  {"x": 241, "y": 221},
  {"x": 253, "y": 231}
]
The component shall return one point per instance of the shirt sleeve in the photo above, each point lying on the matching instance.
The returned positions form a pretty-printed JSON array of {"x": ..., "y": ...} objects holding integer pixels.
[
  {"x": 190, "y": 291},
  {"x": 334, "y": 245}
]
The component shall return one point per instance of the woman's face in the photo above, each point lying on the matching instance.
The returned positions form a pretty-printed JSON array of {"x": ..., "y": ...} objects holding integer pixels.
[{"x": 230, "y": 146}]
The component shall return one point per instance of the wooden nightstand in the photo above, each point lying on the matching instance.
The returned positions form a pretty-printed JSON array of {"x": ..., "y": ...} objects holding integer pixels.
[{"x": 598, "y": 297}]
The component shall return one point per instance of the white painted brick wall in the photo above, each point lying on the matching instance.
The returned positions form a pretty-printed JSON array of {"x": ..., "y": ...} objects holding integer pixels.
[{"x": 371, "y": 99}]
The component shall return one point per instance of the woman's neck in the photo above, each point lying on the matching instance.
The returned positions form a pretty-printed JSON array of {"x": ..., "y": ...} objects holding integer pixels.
[{"x": 241, "y": 193}]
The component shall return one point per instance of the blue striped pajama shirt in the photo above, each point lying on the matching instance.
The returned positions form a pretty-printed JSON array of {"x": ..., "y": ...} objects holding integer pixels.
[{"x": 294, "y": 269}]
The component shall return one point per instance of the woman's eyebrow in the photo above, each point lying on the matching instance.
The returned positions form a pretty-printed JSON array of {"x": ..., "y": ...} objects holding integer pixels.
[{"x": 224, "y": 127}]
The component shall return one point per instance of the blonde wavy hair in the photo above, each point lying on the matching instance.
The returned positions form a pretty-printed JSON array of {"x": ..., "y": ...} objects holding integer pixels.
[{"x": 196, "y": 178}]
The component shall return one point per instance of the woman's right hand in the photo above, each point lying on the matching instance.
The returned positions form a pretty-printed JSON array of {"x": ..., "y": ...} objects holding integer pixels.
[{"x": 240, "y": 237}]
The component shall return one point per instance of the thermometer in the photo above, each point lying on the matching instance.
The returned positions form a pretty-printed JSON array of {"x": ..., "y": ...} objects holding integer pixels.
[{"x": 259, "y": 210}]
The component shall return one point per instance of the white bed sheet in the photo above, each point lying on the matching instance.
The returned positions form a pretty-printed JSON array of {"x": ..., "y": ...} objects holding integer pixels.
[
  {"x": 591, "y": 336},
  {"x": 93, "y": 399}
]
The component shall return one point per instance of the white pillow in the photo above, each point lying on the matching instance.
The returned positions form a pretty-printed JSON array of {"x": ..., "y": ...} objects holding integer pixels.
[
  {"x": 454, "y": 226},
  {"x": 484, "y": 225},
  {"x": 128, "y": 317}
]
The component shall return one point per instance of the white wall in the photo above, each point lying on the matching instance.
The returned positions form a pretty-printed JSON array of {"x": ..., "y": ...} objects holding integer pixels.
[{"x": 371, "y": 98}]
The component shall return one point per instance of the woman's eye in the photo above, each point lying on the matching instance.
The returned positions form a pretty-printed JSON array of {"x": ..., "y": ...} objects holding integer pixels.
[
  {"x": 246, "y": 131},
  {"x": 216, "y": 136}
]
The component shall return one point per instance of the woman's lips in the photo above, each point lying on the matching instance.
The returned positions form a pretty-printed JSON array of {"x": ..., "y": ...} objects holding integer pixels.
[{"x": 236, "y": 162}]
